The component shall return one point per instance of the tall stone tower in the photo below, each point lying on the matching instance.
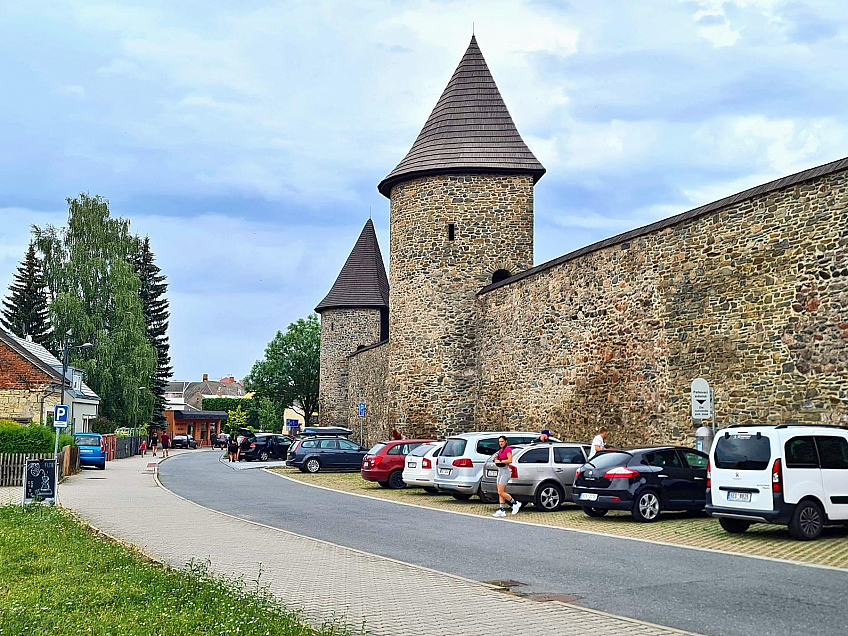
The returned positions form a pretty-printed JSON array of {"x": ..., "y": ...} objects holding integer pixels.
[
  {"x": 354, "y": 314},
  {"x": 461, "y": 218}
]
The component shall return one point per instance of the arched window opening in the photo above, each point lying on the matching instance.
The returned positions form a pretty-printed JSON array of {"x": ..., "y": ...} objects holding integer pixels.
[{"x": 501, "y": 274}]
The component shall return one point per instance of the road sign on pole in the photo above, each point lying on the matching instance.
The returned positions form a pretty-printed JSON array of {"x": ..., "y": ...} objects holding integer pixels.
[
  {"x": 701, "y": 400},
  {"x": 362, "y": 409},
  {"x": 60, "y": 416}
]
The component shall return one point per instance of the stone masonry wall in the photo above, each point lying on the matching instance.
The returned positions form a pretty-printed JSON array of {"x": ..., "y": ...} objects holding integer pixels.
[
  {"x": 367, "y": 382},
  {"x": 342, "y": 332},
  {"x": 433, "y": 284},
  {"x": 752, "y": 297}
]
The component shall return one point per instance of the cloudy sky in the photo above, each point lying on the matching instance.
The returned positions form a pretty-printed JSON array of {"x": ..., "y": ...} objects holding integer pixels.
[{"x": 247, "y": 139}]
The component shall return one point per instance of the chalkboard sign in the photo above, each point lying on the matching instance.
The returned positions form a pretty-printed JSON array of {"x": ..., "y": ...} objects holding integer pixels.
[{"x": 40, "y": 480}]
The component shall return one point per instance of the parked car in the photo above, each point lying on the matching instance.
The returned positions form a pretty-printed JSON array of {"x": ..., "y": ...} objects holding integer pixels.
[
  {"x": 793, "y": 475},
  {"x": 221, "y": 440},
  {"x": 336, "y": 431},
  {"x": 183, "y": 441},
  {"x": 644, "y": 481},
  {"x": 325, "y": 453},
  {"x": 385, "y": 461},
  {"x": 92, "y": 449},
  {"x": 420, "y": 469},
  {"x": 459, "y": 467},
  {"x": 541, "y": 473},
  {"x": 265, "y": 446}
]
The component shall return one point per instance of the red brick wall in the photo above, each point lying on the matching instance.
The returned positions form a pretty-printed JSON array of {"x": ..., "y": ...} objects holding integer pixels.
[{"x": 18, "y": 373}]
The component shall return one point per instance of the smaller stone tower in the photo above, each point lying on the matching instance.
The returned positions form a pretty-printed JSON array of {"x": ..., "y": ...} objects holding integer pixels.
[{"x": 354, "y": 314}]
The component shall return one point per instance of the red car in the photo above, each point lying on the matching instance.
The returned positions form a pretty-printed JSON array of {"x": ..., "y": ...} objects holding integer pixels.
[{"x": 384, "y": 462}]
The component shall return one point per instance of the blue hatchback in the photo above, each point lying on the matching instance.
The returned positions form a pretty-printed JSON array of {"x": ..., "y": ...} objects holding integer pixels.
[{"x": 92, "y": 449}]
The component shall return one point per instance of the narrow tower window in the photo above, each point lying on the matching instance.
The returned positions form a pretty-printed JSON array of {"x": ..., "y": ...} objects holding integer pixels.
[{"x": 451, "y": 231}]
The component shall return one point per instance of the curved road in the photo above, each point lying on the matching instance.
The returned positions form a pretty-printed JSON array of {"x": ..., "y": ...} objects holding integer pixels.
[{"x": 704, "y": 592}]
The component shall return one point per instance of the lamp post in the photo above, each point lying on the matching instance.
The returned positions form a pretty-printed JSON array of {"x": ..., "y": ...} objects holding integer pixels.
[
  {"x": 68, "y": 346},
  {"x": 135, "y": 413}
]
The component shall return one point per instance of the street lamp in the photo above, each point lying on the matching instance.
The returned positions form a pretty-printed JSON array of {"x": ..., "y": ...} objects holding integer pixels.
[
  {"x": 135, "y": 413},
  {"x": 68, "y": 346}
]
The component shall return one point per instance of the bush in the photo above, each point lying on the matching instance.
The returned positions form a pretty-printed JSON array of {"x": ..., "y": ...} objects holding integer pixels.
[
  {"x": 103, "y": 425},
  {"x": 31, "y": 438}
]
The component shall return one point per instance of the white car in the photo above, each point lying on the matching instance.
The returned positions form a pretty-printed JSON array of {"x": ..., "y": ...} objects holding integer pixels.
[
  {"x": 420, "y": 467},
  {"x": 789, "y": 474}
]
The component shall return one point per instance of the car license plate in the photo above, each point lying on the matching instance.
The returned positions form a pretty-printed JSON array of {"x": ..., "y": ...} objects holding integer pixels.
[
  {"x": 744, "y": 497},
  {"x": 85, "y": 450},
  {"x": 444, "y": 471},
  {"x": 411, "y": 464},
  {"x": 491, "y": 473},
  {"x": 588, "y": 496}
]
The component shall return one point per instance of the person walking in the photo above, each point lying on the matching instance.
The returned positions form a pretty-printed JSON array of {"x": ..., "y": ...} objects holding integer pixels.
[
  {"x": 166, "y": 443},
  {"x": 154, "y": 442},
  {"x": 143, "y": 447},
  {"x": 598, "y": 442},
  {"x": 503, "y": 460},
  {"x": 544, "y": 437},
  {"x": 233, "y": 448}
]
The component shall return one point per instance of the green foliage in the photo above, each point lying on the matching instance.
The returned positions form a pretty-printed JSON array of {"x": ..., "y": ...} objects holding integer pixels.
[
  {"x": 30, "y": 438},
  {"x": 102, "y": 425},
  {"x": 94, "y": 292},
  {"x": 224, "y": 404},
  {"x": 288, "y": 374},
  {"x": 236, "y": 419},
  {"x": 56, "y": 577},
  {"x": 270, "y": 418},
  {"x": 24, "y": 313}
]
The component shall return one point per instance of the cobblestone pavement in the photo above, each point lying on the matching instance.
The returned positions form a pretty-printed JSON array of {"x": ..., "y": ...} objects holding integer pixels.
[
  {"x": 328, "y": 582},
  {"x": 10, "y": 495},
  {"x": 677, "y": 528}
]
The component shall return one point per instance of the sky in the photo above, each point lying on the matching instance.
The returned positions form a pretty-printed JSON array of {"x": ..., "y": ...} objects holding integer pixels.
[{"x": 247, "y": 139}]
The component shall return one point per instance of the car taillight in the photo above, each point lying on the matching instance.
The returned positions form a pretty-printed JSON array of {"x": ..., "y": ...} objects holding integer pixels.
[
  {"x": 102, "y": 445},
  {"x": 576, "y": 473},
  {"x": 426, "y": 464},
  {"x": 619, "y": 472},
  {"x": 376, "y": 460},
  {"x": 295, "y": 446},
  {"x": 776, "y": 477},
  {"x": 709, "y": 473},
  {"x": 463, "y": 462},
  {"x": 253, "y": 445},
  {"x": 513, "y": 472}
]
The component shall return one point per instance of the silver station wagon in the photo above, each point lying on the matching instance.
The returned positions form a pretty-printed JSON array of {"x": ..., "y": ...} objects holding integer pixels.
[{"x": 541, "y": 473}]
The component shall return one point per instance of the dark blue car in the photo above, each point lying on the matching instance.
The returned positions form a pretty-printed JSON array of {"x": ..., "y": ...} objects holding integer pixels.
[
  {"x": 325, "y": 453},
  {"x": 92, "y": 449}
]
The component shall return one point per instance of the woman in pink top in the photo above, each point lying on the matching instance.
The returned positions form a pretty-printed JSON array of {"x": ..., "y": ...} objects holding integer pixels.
[{"x": 503, "y": 460}]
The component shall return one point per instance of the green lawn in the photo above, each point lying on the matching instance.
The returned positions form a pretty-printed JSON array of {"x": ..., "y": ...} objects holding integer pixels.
[{"x": 57, "y": 577}]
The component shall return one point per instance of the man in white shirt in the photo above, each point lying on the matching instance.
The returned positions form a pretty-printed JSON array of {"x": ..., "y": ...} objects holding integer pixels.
[{"x": 598, "y": 442}]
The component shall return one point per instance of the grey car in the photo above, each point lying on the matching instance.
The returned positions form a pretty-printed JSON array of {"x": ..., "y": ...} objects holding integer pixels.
[{"x": 545, "y": 474}]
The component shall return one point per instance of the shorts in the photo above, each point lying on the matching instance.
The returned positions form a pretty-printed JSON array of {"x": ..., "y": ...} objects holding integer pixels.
[
  {"x": 165, "y": 445},
  {"x": 504, "y": 475}
]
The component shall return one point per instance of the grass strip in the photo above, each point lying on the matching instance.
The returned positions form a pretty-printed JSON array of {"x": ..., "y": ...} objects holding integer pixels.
[{"x": 58, "y": 577}]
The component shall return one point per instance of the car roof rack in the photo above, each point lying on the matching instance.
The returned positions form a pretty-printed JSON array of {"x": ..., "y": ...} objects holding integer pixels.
[{"x": 789, "y": 425}]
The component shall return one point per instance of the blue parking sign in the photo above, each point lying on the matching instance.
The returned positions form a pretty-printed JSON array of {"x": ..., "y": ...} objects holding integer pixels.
[
  {"x": 362, "y": 409},
  {"x": 60, "y": 416}
]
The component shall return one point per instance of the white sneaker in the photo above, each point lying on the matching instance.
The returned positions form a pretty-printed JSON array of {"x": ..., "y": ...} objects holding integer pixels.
[
  {"x": 499, "y": 513},
  {"x": 516, "y": 507}
]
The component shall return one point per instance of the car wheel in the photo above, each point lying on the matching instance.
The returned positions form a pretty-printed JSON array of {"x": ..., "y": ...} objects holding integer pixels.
[
  {"x": 461, "y": 496},
  {"x": 430, "y": 489},
  {"x": 548, "y": 497},
  {"x": 396, "y": 481},
  {"x": 807, "y": 522},
  {"x": 263, "y": 456},
  {"x": 595, "y": 512},
  {"x": 383, "y": 484},
  {"x": 486, "y": 497},
  {"x": 313, "y": 465},
  {"x": 647, "y": 506},
  {"x": 734, "y": 526},
  {"x": 102, "y": 466}
]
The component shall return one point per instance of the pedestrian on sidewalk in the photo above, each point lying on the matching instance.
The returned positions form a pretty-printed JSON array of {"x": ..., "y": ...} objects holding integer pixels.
[
  {"x": 143, "y": 447},
  {"x": 154, "y": 442},
  {"x": 166, "y": 443},
  {"x": 598, "y": 442},
  {"x": 503, "y": 460},
  {"x": 233, "y": 448},
  {"x": 544, "y": 437}
]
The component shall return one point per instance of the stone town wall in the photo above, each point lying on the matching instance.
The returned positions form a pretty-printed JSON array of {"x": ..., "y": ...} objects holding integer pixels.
[
  {"x": 24, "y": 404},
  {"x": 433, "y": 285},
  {"x": 342, "y": 332},
  {"x": 752, "y": 297},
  {"x": 367, "y": 382}
]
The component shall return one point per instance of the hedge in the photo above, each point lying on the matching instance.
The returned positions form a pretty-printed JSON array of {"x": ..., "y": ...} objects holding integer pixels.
[{"x": 31, "y": 438}]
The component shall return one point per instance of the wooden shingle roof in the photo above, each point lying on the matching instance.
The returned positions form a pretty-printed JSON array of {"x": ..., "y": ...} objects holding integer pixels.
[
  {"x": 469, "y": 130},
  {"x": 362, "y": 281}
]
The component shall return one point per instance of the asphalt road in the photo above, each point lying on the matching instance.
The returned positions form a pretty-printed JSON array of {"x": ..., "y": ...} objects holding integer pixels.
[{"x": 704, "y": 592}]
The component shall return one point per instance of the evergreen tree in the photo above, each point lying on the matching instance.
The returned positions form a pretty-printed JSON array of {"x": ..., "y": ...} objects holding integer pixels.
[
  {"x": 24, "y": 313},
  {"x": 155, "y": 306}
]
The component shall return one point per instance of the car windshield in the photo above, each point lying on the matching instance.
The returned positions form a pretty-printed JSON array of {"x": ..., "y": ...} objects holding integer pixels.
[
  {"x": 610, "y": 460},
  {"x": 454, "y": 448},
  {"x": 87, "y": 440},
  {"x": 743, "y": 451},
  {"x": 376, "y": 449},
  {"x": 420, "y": 451}
]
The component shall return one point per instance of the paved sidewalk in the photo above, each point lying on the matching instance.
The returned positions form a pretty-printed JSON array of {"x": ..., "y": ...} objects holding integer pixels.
[
  {"x": 10, "y": 495},
  {"x": 324, "y": 580}
]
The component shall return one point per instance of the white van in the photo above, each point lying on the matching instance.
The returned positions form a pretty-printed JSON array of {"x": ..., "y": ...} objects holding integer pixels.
[{"x": 791, "y": 474}]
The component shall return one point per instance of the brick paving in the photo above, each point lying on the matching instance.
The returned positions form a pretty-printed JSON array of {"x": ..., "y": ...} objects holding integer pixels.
[
  {"x": 10, "y": 495},
  {"x": 677, "y": 528},
  {"x": 327, "y": 582}
]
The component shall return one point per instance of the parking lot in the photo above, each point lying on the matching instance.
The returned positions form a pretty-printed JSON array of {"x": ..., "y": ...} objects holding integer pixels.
[{"x": 686, "y": 529}]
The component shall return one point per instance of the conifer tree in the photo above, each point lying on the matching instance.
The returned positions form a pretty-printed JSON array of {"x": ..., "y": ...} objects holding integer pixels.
[
  {"x": 155, "y": 306},
  {"x": 24, "y": 313}
]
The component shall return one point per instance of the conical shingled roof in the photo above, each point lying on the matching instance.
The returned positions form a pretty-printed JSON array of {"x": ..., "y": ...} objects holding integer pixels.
[
  {"x": 469, "y": 130},
  {"x": 362, "y": 281}
]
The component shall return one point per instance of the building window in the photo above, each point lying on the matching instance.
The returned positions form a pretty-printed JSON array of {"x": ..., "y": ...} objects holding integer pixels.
[
  {"x": 501, "y": 274},
  {"x": 451, "y": 231}
]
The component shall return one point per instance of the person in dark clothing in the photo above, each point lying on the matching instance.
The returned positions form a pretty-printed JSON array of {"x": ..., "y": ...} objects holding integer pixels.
[
  {"x": 243, "y": 447},
  {"x": 154, "y": 442},
  {"x": 544, "y": 437},
  {"x": 233, "y": 448}
]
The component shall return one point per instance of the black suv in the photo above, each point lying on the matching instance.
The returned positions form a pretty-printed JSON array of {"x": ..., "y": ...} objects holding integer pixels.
[
  {"x": 318, "y": 452},
  {"x": 644, "y": 481},
  {"x": 265, "y": 446}
]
